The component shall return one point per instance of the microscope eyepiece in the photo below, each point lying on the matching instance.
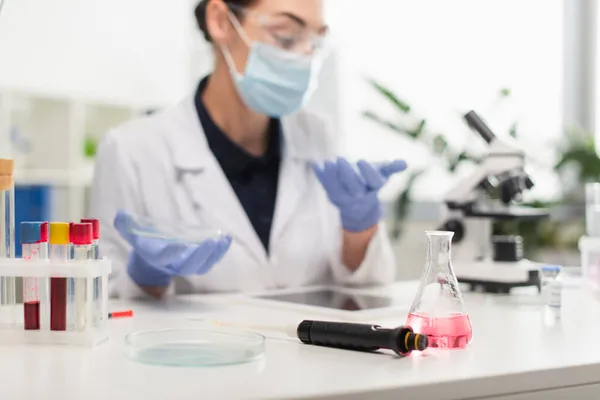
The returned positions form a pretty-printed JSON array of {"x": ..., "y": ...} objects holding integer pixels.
[
  {"x": 529, "y": 183},
  {"x": 476, "y": 123}
]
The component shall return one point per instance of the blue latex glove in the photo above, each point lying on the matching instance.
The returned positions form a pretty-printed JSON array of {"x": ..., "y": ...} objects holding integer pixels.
[
  {"x": 354, "y": 192},
  {"x": 155, "y": 261}
]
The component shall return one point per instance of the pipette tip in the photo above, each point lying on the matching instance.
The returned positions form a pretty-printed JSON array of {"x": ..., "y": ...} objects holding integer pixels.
[{"x": 120, "y": 314}]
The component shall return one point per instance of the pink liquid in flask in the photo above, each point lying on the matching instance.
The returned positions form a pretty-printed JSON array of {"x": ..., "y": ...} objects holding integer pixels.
[{"x": 450, "y": 332}]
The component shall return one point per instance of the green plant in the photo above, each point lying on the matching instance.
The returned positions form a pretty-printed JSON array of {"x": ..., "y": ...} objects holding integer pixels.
[
  {"x": 90, "y": 146},
  {"x": 578, "y": 154},
  {"x": 577, "y": 164},
  {"x": 436, "y": 142},
  {"x": 415, "y": 128}
]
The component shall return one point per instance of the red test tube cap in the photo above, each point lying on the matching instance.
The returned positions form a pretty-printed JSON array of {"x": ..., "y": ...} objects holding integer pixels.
[
  {"x": 81, "y": 233},
  {"x": 95, "y": 226},
  {"x": 44, "y": 232}
]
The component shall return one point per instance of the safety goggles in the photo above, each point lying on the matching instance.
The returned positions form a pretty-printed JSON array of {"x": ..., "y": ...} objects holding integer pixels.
[{"x": 284, "y": 31}]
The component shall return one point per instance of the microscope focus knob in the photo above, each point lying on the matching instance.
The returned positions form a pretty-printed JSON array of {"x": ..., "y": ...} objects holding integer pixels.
[{"x": 455, "y": 226}]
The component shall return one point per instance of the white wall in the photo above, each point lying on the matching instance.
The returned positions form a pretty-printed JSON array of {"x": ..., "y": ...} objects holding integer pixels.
[
  {"x": 444, "y": 58},
  {"x": 325, "y": 100},
  {"x": 129, "y": 51}
]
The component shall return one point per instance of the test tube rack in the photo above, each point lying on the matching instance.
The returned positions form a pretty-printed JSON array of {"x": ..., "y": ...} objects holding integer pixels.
[{"x": 94, "y": 332}]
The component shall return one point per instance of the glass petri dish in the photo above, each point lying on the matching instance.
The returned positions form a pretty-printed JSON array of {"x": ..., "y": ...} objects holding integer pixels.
[
  {"x": 194, "y": 347},
  {"x": 165, "y": 230}
]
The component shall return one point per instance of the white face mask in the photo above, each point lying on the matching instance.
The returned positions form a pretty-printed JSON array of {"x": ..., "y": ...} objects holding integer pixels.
[{"x": 276, "y": 82}]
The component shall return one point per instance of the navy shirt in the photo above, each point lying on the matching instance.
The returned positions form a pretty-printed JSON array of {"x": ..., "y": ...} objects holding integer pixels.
[{"x": 253, "y": 179}]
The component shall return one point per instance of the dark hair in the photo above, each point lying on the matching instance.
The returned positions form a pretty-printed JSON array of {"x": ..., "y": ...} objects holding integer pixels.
[{"x": 201, "y": 13}]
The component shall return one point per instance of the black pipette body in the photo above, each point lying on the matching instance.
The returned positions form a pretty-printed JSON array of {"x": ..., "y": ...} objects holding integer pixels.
[{"x": 361, "y": 337}]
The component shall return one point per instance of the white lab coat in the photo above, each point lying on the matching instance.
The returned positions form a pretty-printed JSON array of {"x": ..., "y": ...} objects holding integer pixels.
[{"x": 161, "y": 166}]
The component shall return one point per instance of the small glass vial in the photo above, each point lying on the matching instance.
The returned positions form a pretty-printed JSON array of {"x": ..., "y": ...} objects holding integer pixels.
[
  {"x": 592, "y": 209},
  {"x": 552, "y": 290}
]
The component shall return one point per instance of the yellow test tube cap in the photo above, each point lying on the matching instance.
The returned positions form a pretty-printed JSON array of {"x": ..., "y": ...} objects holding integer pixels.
[
  {"x": 7, "y": 166},
  {"x": 59, "y": 233},
  {"x": 6, "y": 174}
]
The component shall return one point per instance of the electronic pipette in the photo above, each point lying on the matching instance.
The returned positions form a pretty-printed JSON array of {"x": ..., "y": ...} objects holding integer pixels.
[{"x": 402, "y": 340}]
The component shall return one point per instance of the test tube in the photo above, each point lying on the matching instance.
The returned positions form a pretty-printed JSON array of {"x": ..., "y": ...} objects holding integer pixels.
[
  {"x": 44, "y": 226},
  {"x": 81, "y": 238},
  {"x": 8, "y": 297},
  {"x": 59, "y": 251},
  {"x": 31, "y": 245},
  {"x": 97, "y": 283},
  {"x": 70, "y": 286},
  {"x": 95, "y": 237},
  {"x": 44, "y": 283}
]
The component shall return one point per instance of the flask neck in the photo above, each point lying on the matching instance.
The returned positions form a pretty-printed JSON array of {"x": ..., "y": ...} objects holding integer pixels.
[{"x": 440, "y": 248}]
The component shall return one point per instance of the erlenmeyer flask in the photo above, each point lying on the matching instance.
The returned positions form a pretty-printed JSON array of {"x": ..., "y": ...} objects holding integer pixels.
[{"x": 438, "y": 309}]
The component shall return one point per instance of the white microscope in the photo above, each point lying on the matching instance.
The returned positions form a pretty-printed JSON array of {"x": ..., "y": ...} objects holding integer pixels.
[{"x": 491, "y": 194}]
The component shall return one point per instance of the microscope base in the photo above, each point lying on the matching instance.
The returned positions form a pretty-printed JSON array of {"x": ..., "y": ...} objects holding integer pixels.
[{"x": 498, "y": 277}]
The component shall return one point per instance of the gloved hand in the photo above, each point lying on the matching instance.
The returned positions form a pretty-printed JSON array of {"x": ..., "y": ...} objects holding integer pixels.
[
  {"x": 354, "y": 193},
  {"x": 155, "y": 261}
]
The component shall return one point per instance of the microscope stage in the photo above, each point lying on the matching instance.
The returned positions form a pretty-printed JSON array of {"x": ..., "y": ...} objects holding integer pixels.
[{"x": 498, "y": 277}]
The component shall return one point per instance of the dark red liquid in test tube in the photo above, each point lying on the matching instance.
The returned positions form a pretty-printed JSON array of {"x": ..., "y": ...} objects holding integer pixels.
[
  {"x": 32, "y": 315},
  {"x": 59, "y": 251},
  {"x": 58, "y": 304},
  {"x": 31, "y": 248}
]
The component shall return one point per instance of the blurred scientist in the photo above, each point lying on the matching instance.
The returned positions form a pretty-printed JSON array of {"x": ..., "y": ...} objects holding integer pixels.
[{"x": 239, "y": 155}]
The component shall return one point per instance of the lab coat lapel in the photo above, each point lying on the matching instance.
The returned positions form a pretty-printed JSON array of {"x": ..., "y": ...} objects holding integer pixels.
[
  {"x": 293, "y": 182},
  {"x": 207, "y": 186},
  {"x": 292, "y": 188}
]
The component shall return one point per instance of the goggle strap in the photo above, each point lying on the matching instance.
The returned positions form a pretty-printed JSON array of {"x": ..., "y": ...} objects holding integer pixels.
[
  {"x": 229, "y": 61},
  {"x": 239, "y": 28}
]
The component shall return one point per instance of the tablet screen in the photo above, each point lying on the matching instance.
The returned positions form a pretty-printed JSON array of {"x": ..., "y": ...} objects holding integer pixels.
[{"x": 330, "y": 298}]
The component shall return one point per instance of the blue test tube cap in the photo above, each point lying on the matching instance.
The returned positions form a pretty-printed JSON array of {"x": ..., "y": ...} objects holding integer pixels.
[
  {"x": 551, "y": 268},
  {"x": 31, "y": 232}
]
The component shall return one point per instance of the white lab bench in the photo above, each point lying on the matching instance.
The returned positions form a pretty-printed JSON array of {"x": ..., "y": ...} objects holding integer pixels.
[{"x": 514, "y": 355}]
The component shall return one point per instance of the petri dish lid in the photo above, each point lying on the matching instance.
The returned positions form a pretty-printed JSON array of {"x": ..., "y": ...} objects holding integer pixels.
[
  {"x": 194, "y": 347},
  {"x": 167, "y": 230}
]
